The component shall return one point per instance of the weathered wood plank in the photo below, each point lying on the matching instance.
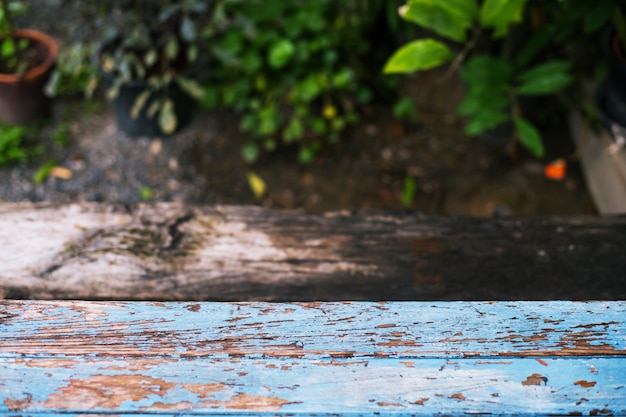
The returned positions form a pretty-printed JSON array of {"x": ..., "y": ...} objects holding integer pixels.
[
  {"x": 331, "y": 330},
  {"x": 175, "y": 252},
  {"x": 527, "y": 358}
]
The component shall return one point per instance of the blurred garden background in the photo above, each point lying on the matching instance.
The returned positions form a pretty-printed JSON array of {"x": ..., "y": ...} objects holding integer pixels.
[{"x": 292, "y": 108}]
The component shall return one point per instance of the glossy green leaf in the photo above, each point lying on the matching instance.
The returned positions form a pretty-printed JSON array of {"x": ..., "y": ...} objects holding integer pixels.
[
  {"x": 486, "y": 120},
  {"x": 418, "y": 55},
  {"x": 488, "y": 70},
  {"x": 529, "y": 137},
  {"x": 546, "y": 78},
  {"x": 280, "y": 53},
  {"x": 477, "y": 101},
  {"x": 450, "y": 18},
  {"x": 501, "y": 14}
]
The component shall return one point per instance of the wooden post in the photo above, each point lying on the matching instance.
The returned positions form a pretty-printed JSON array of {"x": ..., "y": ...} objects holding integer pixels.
[{"x": 175, "y": 252}]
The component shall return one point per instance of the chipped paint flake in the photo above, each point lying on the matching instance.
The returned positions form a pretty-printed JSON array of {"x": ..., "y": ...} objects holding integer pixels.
[
  {"x": 535, "y": 379},
  {"x": 250, "y": 402},
  {"x": 585, "y": 384},
  {"x": 106, "y": 392}
]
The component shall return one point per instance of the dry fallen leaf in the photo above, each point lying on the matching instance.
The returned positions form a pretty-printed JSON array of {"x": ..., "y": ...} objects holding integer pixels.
[
  {"x": 257, "y": 185},
  {"x": 61, "y": 172}
]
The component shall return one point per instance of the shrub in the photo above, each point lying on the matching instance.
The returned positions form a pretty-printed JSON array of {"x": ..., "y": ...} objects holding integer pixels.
[{"x": 294, "y": 69}]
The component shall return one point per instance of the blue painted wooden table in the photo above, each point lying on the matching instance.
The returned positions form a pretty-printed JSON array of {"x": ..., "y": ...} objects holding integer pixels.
[{"x": 359, "y": 358}]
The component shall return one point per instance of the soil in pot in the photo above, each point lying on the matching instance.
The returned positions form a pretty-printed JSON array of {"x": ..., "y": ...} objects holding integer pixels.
[{"x": 22, "y": 98}]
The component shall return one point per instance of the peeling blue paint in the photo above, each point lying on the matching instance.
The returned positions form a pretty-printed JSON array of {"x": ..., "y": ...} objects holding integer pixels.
[{"x": 311, "y": 359}]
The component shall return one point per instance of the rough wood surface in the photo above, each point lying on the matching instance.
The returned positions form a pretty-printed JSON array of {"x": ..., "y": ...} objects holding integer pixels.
[
  {"x": 361, "y": 358},
  {"x": 175, "y": 252}
]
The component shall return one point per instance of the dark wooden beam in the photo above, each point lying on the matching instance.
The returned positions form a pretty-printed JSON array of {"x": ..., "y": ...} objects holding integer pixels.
[{"x": 178, "y": 252}]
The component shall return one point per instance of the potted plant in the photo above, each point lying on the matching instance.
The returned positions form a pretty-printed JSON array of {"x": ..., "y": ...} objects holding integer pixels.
[
  {"x": 27, "y": 57},
  {"x": 148, "y": 59}
]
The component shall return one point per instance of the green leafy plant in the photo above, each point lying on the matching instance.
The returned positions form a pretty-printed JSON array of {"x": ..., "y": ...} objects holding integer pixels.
[
  {"x": 11, "y": 148},
  {"x": 43, "y": 172},
  {"x": 495, "y": 80},
  {"x": 15, "y": 54},
  {"x": 157, "y": 41},
  {"x": 293, "y": 69},
  {"x": 74, "y": 72}
]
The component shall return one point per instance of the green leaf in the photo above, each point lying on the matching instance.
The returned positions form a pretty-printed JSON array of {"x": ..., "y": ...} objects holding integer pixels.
[
  {"x": 167, "y": 117},
  {"x": 8, "y": 47},
  {"x": 409, "y": 191},
  {"x": 306, "y": 155},
  {"x": 501, "y": 14},
  {"x": 43, "y": 172},
  {"x": 479, "y": 100},
  {"x": 280, "y": 53},
  {"x": 188, "y": 29},
  {"x": 139, "y": 104},
  {"x": 404, "y": 109},
  {"x": 418, "y": 55},
  {"x": 546, "y": 78},
  {"x": 145, "y": 192},
  {"x": 294, "y": 130},
  {"x": 488, "y": 70},
  {"x": 151, "y": 57},
  {"x": 449, "y": 18},
  {"x": 599, "y": 14},
  {"x": 191, "y": 87},
  {"x": 171, "y": 48},
  {"x": 533, "y": 46},
  {"x": 250, "y": 153},
  {"x": 309, "y": 88},
  {"x": 486, "y": 120},
  {"x": 529, "y": 137},
  {"x": 342, "y": 78}
]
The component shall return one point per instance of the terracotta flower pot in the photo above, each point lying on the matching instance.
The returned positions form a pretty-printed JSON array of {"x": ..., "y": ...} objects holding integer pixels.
[{"x": 22, "y": 99}]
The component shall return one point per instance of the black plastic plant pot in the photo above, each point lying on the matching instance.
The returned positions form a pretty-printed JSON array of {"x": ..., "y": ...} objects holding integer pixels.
[{"x": 148, "y": 125}]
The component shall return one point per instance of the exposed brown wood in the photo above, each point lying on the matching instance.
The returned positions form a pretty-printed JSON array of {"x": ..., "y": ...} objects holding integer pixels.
[{"x": 176, "y": 252}]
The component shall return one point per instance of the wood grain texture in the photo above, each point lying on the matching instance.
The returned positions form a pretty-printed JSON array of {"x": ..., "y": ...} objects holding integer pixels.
[
  {"x": 395, "y": 358},
  {"x": 175, "y": 252}
]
